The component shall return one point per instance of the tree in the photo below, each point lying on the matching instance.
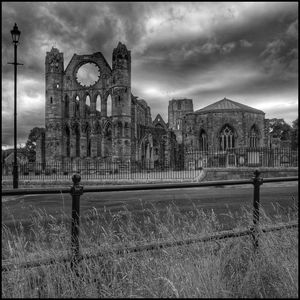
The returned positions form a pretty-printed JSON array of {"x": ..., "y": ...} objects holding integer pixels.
[
  {"x": 30, "y": 146},
  {"x": 280, "y": 129},
  {"x": 294, "y": 135}
]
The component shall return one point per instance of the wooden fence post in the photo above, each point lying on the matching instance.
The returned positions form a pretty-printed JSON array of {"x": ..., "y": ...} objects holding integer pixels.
[
  {"x": 257, "y": 182},
  {"x": 76, "y": 192}
]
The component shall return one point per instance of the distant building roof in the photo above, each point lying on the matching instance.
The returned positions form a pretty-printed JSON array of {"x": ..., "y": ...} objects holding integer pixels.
[
  {"x": 228, "y": 105},
  {"x": 159, "y": 122}
]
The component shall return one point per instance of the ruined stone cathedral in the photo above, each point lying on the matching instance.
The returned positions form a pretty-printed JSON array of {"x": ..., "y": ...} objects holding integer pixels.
[
  {"x": 97, "y": 118},
  {"x": 78, "y": 124}
]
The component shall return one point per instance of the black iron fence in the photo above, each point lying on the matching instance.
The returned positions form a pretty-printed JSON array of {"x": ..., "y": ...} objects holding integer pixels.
[
  {"x": 241, "y": 157},
  {"x": 185, "y": 168},
  {"x": 77, "y": 190}
]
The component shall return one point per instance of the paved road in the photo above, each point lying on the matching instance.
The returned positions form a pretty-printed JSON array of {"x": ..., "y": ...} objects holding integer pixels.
[{"x": 220, "y": 199}]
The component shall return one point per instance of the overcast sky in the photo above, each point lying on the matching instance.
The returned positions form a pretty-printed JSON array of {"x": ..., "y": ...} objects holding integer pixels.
[{"x": 247, "y": 52}]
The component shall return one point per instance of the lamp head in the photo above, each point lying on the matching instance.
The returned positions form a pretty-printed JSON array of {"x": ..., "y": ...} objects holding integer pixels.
[{"x": 15, "y": 34}]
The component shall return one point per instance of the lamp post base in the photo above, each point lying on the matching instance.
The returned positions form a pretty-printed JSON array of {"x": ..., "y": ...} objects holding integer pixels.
[{"x": 15, "y": 176}]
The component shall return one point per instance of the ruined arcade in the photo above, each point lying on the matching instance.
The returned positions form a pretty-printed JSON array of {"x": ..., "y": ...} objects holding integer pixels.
[{"x": 79, "y": 124}]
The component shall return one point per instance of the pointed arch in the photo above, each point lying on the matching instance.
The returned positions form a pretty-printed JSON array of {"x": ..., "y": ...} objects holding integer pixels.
[
  {"x": 227, "y": 137},
  {"x": 76, "y": 133},
  {"x": 87, "y": 99},
  {"x": 203, "y": 146},
  {"x": 106, "y": 103},
  {"x": 97, "y": 127},
  {"x": 106, "y": 127},
  {"x": 98, "y": 103},
  {"x": 76, "y": 106},
  {"x": 107, "y": 139},
  {"x": 109, "y": 105},
  {"x": 87, "y": 105},
  {"x": 179, "y": 124},
  {"x": 253, "y": 136},
  {"x": 96, "y": 138},
  {"x": 146, "y": 152}
]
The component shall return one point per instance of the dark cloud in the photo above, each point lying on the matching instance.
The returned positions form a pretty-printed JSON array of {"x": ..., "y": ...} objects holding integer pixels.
[
  {"x": 280, "y": 57},
  {"x": 206, "y": 51}
]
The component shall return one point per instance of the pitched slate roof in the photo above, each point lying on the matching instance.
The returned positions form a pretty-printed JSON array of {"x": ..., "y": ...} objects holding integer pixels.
[{"x": 228, "y": 105}]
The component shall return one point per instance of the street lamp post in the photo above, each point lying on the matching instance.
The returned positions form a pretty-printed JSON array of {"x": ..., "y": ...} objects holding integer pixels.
[{"x": 15, "y": 34}]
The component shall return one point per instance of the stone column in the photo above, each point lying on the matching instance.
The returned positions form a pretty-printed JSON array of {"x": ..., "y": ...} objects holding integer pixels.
[
  {"x": 93, "y": 107},
  {"x": 83, "y": 146},
  {"x": 93, "y": 145},
  {"x": 99, "y": 145},
  {"x": 104, "y": 106},
  {"x": 72, "y": 145},
  {"x": 71, "y": 108}
]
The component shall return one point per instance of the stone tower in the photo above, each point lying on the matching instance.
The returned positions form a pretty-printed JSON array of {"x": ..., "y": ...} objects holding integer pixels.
[
  {"x": 177, "y": 109},
  {"x": 53, "y": 110},
  {"x": 121, "y": 102}
]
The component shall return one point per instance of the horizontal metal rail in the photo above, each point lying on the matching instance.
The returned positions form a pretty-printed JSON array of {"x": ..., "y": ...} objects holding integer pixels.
[
  {"x": 8, "y": 265},
  {"x": 140, "y": 187},
  {"x": 77, "y": 190}
]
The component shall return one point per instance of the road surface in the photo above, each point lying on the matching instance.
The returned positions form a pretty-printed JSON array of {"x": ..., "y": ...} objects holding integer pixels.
[{"x": 220, "y": 199}]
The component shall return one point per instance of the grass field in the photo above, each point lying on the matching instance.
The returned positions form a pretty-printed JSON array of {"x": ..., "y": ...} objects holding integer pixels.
[{"x": 228, "y": 268}]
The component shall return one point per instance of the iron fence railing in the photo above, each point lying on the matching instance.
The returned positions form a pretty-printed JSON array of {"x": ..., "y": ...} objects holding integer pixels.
[
  {"x": 186, "y": 168},
  {"x": 242, "y": 157},
  {"x": 77, "y": 190}
]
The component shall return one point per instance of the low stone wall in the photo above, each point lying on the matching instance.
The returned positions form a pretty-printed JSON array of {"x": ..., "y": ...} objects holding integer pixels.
[{"x": 215, "y": 174}]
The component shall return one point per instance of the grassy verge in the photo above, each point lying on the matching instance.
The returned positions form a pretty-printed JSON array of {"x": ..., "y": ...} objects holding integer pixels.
[{"x": 227, "y": 268}]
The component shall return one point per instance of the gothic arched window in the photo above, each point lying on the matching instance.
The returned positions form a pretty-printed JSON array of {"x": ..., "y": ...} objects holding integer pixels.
[
  {"x": 203, "y": 140},
  {"x": 76, "y": 104},
  {"x": 226, "y": 138},
  {"x": 109, "y": 106},
  {"x": 87, "y": 108},
  {"x": 179, "y": 124},
  {"x": 253, "y": 137},
  {"x": 98, "y": 103},
  {"x": 107, "y": 132}
]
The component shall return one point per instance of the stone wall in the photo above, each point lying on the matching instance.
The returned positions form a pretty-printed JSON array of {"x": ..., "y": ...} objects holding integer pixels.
[
  {"x": 247, "y": 173},
  {"x": 177, "y": 109},
  {"x": 213, "y": 122}
]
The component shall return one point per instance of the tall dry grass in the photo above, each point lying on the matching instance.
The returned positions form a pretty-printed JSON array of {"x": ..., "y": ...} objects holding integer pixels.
[{"x": 227, "y": 268}]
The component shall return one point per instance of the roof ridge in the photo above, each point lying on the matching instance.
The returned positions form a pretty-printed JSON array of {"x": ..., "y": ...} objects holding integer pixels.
[{"x": 236, "y": 105}]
